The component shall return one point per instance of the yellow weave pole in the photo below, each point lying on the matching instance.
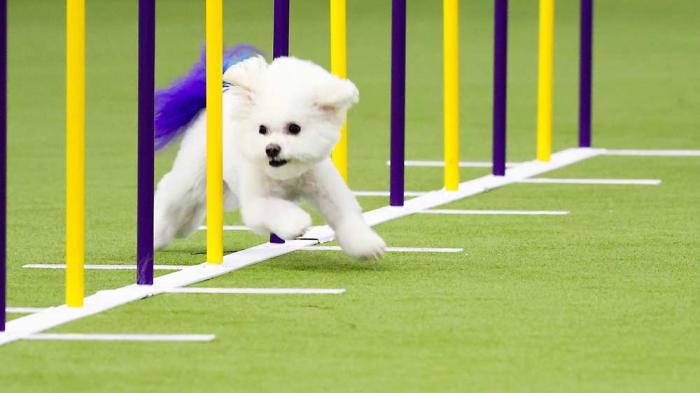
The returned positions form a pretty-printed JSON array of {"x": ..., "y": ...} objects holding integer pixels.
[
  {"x": 339, "y": 64},
  {"x": 215, "y": 181},
  {"x": 75, "y": 152},
  {"x": 451, "y": 92},
  {"x": 544, "y": 81}
]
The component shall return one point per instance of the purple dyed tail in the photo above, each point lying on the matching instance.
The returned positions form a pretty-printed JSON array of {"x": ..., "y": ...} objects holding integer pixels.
[{"x": 177, "y": 105}]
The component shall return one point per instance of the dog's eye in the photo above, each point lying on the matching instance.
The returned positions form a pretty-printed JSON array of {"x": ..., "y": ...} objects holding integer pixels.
[
  {"x": 294, "y": 128},
  {"x": 262, "y": 130}
]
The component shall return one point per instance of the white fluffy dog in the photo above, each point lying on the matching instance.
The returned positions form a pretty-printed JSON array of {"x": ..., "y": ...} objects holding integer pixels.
[{"x": 281, "y": 121}]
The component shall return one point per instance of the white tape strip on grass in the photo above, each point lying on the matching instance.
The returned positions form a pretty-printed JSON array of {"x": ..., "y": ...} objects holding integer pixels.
[
  {"x": 386, "y": 193},
  {"x": 480, "y": 185},
  {"x": 390, "y": 249},
  {"x": 652, "y": 153},
  {"x": 25, "y": 310},
  {"x": 102, "y": 267},
  {"x": 105, "y": 300},
  {"x": 261, "y": 291},
  {"x": 227, "y": 228},
  {"x": 613, "y": 182},
  {"x": 121, "y": 337},
  {"x": 497, "y": 212},
  {"x": 462, "y": 164}
]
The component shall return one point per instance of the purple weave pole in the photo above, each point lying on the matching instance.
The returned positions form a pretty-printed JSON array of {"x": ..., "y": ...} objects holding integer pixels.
[
  {"x": 398, "y": 102},
  {"x": 280, "y": 44},
  {"x": 280, "y": 47},
  {"x": 500, "y": 85},
  {"x": 146, "y": 138},
  {"x": 3, "y": 161},
  {"x": 586, "y": 68}
]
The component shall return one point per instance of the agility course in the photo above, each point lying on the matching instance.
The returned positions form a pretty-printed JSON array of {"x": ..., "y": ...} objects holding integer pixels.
[
  {"x": 75, "y": 127},
  {"x": 484, "y": 260}
]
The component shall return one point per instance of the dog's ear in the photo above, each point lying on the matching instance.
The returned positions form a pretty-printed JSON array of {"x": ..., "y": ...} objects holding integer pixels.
[
  {"x": 337, "y": 94},
  {"x": 245, "y": 75}
]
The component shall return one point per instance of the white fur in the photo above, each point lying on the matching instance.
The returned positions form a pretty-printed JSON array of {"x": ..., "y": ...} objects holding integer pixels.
[{"x": 286, "y": 91}]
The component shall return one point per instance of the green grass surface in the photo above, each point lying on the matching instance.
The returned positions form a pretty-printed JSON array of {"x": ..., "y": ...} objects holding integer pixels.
[{"x": 605, "y": 299}]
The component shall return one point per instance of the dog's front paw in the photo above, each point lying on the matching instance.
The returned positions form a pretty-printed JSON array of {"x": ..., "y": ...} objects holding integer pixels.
[
  {"x": 360, "y": 241},
  {"x": 291, "y": 225}
]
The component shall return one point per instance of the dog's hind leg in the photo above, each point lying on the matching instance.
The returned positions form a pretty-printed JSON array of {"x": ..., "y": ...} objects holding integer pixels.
[{"x": 180, "y": 201}]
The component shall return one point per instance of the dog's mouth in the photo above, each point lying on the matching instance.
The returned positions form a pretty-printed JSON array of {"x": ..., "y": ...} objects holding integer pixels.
[{"x": 276, "y": 162}]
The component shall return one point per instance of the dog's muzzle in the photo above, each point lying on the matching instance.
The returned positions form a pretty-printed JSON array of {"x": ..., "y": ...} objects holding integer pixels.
[{"x": 273, "y": 151}]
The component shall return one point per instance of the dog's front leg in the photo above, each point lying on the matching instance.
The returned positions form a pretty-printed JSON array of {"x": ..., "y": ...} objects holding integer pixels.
[
  {"x": 264, "y": 213},
  {"x": 283, "y": 218},
  {"x": 332, "y": 197}
]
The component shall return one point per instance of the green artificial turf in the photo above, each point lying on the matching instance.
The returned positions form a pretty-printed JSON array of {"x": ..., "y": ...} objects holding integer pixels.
[{"x": 605, "y": 299}]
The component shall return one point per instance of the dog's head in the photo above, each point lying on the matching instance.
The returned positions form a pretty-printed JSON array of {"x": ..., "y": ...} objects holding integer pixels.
[{"x": 291, "y": 113}]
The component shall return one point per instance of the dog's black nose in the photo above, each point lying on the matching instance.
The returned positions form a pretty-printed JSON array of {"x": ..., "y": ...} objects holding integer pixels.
[{"x": 273, "y": 150}]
